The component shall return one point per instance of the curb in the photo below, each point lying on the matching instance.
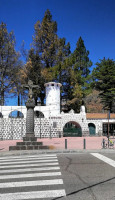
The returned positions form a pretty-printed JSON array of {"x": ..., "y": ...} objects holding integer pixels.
[{"x": 66, "y": 151}]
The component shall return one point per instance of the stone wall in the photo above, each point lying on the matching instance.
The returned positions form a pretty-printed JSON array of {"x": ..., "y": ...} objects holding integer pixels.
[
  {"x": 16, "y": 128},
  {"x": 47, "y": 127},
  {"x": 12, "y": 128}
]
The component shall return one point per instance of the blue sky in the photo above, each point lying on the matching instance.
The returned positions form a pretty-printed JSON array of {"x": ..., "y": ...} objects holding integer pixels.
[{"x": 93, "y": 20}]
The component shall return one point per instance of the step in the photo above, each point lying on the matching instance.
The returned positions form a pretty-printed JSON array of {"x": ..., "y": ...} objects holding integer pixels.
[
  {"x": 36, "y": 147},
  {"x": 31, "y": 139},
  {"x": 29, "y": 143},
  {"x": 13, "y": 148},
  {"x": 30, "y": 135},
  {"x": 30, "y": 147}
]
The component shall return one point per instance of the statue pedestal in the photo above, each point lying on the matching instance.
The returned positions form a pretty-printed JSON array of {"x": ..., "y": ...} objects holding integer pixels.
[{"x": 29, "y": 141}]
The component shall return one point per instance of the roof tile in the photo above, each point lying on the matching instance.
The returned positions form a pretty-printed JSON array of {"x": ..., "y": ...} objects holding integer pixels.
[{"x": 99, "y": 115}]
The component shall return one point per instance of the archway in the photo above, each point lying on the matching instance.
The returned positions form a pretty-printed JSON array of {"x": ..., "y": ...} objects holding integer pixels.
[
  {"x": 16, "y": 114},
  {"x": 72, "y": 129},
  {"x": 38, "y": 114},
  {"x": 91, "y": 129}
]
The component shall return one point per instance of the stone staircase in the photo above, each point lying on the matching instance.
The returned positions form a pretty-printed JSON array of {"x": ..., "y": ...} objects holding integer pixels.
[{"x": 29, "y": 143}]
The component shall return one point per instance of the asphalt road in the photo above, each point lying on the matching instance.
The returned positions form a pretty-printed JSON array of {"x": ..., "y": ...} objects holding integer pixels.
[
  {"x": 80, "y": 176},
  {"x": 87, "y": 177}
]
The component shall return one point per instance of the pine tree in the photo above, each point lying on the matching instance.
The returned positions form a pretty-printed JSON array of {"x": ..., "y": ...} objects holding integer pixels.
[
  {"x": 35, "y": 74},
  {"x": 77, "y": 73},
  {"x": 46, "y": 43},
  {"x": 16, "y": 82},
  {"x": 104, "y": 81},
  {"x": 32, "y": 71},
  {"x": 50, "y": 49},
  {"x": 82, "y": 61},
  {"x": 82, "y": 64},
  {"x": 45, "y": 40},
  {"x": 8, "y": 59}
]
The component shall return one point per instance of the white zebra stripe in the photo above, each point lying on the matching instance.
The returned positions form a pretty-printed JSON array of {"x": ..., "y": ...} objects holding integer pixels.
[
  {"x": 33, "y": 161},
  {"x": 28, "y": 165},
  {"x": 27, "y": 159},
  {"x": 29, "y": 169},
  {"x": 31, "y": 183},
  {"x": 28, "y": 156},
  {"x": 29, "y": 175},
  {"x": 33, "y": 195},
  {"x": 104, "y": 158}
]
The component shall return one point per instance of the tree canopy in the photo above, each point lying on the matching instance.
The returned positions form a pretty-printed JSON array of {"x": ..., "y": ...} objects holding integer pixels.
[
  {"x": 8, "y": 60},
  {"x": 50, "y": 59},
  {"x": 104, "y": 81},
  {"x": 47, "y": 54}
]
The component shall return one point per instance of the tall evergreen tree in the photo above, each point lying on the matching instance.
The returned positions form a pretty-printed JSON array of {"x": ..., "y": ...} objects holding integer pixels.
[
  {"x": 16, "y": 82},
  {"x": 35, "y": 74},
  {"x": 81, "y": 65},
  {"x": 45, "y": 40},
  {"x": 79, "y": 81},
  {"x": 32, "y": 71},
  {"x": 46, "y": 43},
  {"x": 104, "y": 81},
  {"x": 81, "y": 59},
  {"x": 50, "y": 50},
  {"x": 8, "y": 59}
]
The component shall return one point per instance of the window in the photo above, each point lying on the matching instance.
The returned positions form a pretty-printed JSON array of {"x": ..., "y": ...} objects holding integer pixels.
[{"x": 111, "y": 128}]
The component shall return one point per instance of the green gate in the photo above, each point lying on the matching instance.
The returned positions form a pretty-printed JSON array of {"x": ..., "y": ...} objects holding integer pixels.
[
  {"x": 91, "y": 129},
  {"x": 72, "y": 129}
]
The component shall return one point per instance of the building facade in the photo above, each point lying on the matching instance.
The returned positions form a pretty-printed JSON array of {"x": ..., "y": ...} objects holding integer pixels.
[{"x": 49, "y": 122}]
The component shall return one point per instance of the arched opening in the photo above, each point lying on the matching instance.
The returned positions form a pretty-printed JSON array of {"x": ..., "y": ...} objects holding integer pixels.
[
  {"x": 72, "y": 129},
  {"x": 91, "y": 128},
  {"x": 16, "y": 114},
  {"x": 1, "y": 116},
  {"x": 38, "y": 114}
]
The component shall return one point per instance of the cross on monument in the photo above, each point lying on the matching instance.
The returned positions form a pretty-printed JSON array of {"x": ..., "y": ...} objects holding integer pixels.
[
  {"x": 29, "y": 141},
  {"x": 30, "y": 104},
  {"x": 30, "y": 87}
]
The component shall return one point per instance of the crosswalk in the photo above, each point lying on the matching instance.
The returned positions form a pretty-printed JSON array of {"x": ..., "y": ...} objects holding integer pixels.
[{"x": 30, "y": 177}]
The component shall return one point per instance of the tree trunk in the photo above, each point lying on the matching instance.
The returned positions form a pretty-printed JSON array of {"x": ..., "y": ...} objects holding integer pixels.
[
  {"x": 2, "y": 97},
  {"x": 18, "y": 113},
  {"x": 18, "y": 99}
]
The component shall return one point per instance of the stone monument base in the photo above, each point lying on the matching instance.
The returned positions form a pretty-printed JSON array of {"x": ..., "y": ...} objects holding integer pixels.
[{"x": 29, "y": 143}]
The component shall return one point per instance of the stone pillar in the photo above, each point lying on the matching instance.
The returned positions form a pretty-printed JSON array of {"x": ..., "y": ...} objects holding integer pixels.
[{"x": 30, "y": 104}]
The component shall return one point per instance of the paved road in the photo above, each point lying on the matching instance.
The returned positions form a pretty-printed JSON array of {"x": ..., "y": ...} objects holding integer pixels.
[
  {"x": 81, "y": 176},
  {"x": 88, "y": 176}
]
